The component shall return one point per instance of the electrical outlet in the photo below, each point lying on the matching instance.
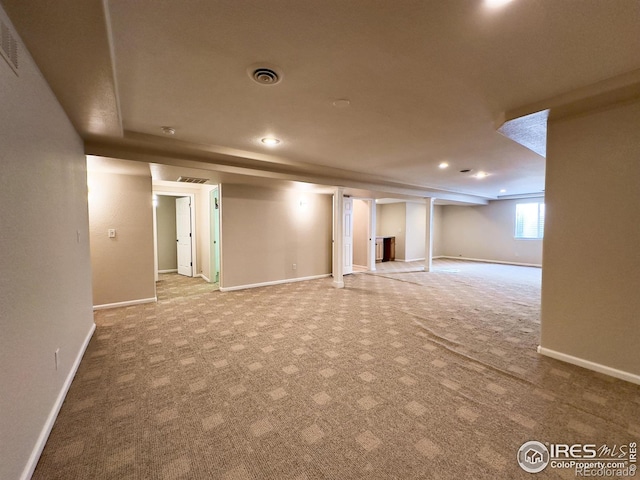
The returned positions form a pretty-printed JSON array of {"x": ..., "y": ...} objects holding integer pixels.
[
  {"x": 112, "y": 233},
  {"x": 57, "y": 357},
  {"x": 295, "y": 266}
]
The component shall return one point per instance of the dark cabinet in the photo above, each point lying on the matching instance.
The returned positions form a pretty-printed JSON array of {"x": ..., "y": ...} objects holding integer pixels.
[{"x": 385, "y": 249}]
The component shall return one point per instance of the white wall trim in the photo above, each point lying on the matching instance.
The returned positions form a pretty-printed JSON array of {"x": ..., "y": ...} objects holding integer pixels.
[
  {"x": 171, "y": 270},
  {"x": 274, "y": 282},
  {"x": 205, "y": 277},
  {"x": 484, "y": 260},
  {"x": 413, "y": 260},
  {"x": 596, "y": 367},
  {"x": 53, "y": 414},
  {"x": 125, "y": 304}
]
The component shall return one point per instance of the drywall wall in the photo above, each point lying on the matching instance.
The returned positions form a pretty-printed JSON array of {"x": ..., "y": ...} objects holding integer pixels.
[
  {"x": 486, "y": 232},
  {"x": 360, "y": 232},
  {"x": 202, "y": 217},
  {"x": 166, "y": 231},
  {"x": 266, "y": 231},
  {"x": 123, "y": 267},
  {"x": 416, "y": 231},
  {"x": 438, "y": 243},
  {"x": 45, "y": 286},
  {"x": 591, "y": 270},
  {"x": 392, "y": 222}
]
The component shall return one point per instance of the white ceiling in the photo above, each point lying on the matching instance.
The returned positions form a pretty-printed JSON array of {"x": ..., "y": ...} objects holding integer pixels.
[{"x": 427, "y": 81}]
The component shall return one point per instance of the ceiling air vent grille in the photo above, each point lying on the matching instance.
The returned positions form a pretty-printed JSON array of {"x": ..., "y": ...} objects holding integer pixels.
[
  {"x": 9, "y": 47},
  {"x": 266, "y": 76},
  {"x": 192, "y": 180}
]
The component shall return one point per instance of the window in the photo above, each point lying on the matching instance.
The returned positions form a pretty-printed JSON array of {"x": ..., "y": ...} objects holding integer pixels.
[{"x": 529, "y": 220}]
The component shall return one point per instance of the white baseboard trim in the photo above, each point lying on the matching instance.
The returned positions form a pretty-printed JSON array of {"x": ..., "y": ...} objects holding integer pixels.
[
  {"x": 439, "y": 256},
  {"x": 484, "y": 260},
  {"x": 274, "y": 282},
  {"x": 53, "y": 414},
  {"x": 205, "y": 277},
  {"x": 413, "y": 260},
  {"x": 171, "y": 270},
  {"x": 125, "y": 304},
  {"x": 596, "y": 367}
]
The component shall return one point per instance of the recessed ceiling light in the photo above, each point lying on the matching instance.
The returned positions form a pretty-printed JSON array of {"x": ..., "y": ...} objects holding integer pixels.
[
  {"x": 443, "y": 165},
  {"x": 341, "y": 103},
  {"x": 481, "y": 175},
  {"x": 168, "y": 130},
  {"x": 496, "y": 3},
  {"x": 270, "y": 141},
  {"x": 503, "y": 190}
]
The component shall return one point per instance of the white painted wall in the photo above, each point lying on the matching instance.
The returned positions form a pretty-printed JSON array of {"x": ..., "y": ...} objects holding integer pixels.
[
  {"x": 487, "y": 232},
  {"x": 416, "y": 229},
  {"x": 45, "y": 286},
  {"x": 438, "y": 242},
  {"x": 591, "y": 274},
  {"x": 392, "y": 223},
  {"x": 266, "y": 231},
  {"x": 166, "y": 231}
]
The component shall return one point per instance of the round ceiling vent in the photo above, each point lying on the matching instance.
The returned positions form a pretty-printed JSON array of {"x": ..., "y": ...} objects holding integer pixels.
[{"x": 265, "y": 76}]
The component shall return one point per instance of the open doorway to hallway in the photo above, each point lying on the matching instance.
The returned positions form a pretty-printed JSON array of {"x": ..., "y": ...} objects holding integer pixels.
[
  {"x": 363, "y": 235},
  {"x": 175, "y": 241}
]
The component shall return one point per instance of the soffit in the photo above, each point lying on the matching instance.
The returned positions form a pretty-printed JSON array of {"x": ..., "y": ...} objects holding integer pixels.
[{"x": 428, "y": 81}]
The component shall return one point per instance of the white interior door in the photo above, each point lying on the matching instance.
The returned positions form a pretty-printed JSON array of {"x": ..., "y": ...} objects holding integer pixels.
[
  {"x": 183, "y": 232},
  {"x": 347, "y": 214}
]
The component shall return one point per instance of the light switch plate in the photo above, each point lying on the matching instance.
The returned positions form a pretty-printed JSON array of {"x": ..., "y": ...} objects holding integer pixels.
[{"x": 112, "y": 233}]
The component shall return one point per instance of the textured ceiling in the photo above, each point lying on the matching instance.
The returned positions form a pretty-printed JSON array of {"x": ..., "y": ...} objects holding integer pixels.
[{"x": 427, "y": 81}]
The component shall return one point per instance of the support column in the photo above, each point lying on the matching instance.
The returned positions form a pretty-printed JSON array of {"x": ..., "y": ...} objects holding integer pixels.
[
  {"x": 428, "y": 245},
  {"x": 338, "y": 237}
]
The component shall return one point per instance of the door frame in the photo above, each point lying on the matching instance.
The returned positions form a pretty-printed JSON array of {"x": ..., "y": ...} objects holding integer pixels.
[
  {"x": 215, "y": 247},
  {"x": 193, "y": 228}
]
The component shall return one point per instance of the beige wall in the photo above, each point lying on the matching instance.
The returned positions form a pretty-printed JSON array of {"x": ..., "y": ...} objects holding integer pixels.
[
  {"x": 166, "y": 231},
  {"x": 416, "y": 231},
  {"x": 123, "y": 267},
  {"x": 45, "y": 286},
  {"x": 591, "y": 274},
  {"x": 392, "y": 222},
  {"x": 265, "y": 231},
  {"x": 438, "y": 243},
  {"x": 360, "y": 232},
  {"x": 486, "y": 232}
]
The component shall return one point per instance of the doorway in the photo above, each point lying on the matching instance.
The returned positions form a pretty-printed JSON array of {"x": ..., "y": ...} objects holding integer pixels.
[
  {"x": 175, "y": 240},
  {"x": 363, "y": 235}
]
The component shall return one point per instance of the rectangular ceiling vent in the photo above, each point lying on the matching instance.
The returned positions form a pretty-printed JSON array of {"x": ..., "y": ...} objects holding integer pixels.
[
  {"x": 9, "y": 47},
  {"x": 193, "y": 180}
]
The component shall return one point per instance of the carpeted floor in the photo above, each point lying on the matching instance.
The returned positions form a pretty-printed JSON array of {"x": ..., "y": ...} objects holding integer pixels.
[{"x": 398, "y": 376}]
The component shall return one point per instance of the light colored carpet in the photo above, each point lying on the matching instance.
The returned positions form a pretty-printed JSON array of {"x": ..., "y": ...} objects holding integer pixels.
[{"x": 398, "y": 376}]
